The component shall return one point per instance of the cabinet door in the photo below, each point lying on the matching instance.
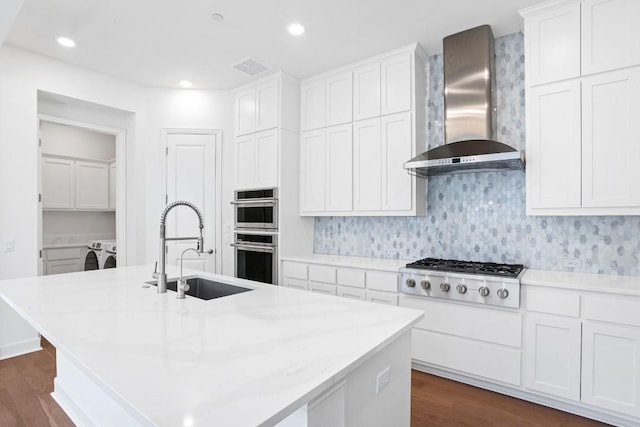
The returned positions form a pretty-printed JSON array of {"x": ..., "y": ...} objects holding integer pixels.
[
  {"x": 367, "y": 152},
  {"x": 552, "y": 355},
  {"x": 552, "y": 45},
  {"x": 266, "y": 146},
  {"x": 366, "y": 91},
  {"x": 396, "y": 85},
  {"x": 312, "y": 171},
  {"x": 92, "y": 185},
  {"x": 58, "y": 183},
  {"x": 246, "y": 112},
  {"x": 339, "y": 180},
  {"x": 246, "y": 164},
  {"x": 396, "y": 146},
  {"x": 313, "y": 105},
  {"x": 339, "y": 98},
  {"x": 611, "y": 367},
  {"x": 554, "y": 146},
  {"x": 267, "y": 106},
  {"x": 610, "y": 35},
  {"x": 112, "y": 186},
  {"x": 610, "y": 144}
]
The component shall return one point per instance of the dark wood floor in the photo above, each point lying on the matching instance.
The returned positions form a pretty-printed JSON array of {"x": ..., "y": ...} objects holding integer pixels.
[{"x": 26, "y": 381}]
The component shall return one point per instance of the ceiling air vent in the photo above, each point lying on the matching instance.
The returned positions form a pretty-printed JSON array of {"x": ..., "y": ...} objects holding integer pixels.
[{"x": 250, "y": 66}]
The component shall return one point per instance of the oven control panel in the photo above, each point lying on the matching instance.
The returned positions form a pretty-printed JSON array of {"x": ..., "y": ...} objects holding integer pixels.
[{"x": 478, "y": 289}]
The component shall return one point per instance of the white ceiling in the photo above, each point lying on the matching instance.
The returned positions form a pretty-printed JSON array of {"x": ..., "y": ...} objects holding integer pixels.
[{"x": 157, "y": 43}]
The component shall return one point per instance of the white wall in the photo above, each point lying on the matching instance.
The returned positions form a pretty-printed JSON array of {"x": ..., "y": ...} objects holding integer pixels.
[
  {"x": 188, "y": 109},
  {"x": 59, "y": 227},
  {"x": 76, "y": 142},
  {"x": 22, "y": 75},
  {"x": 10, "y": 9}
]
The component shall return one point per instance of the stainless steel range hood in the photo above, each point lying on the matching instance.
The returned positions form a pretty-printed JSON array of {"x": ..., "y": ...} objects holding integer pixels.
[{"x": 469, "y": 79}]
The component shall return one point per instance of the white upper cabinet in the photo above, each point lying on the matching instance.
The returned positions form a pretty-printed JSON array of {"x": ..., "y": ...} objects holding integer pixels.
[
  {"x": 92, "y": 185},
  {"x": 339, "y": 88},
  {"x": 246, "y": 112},
  {"x": 312, "y": 171},
  {"x": 583, "y": 67},
  {"x": 554, "y": 160},
  {"x": 313, "y": 105},
  {"x": 367, "y": 111},
  {"x": 257, "y": 160},
  {"x": 267, "y": 105},
  {"x": 552, "y": 47},
  {"x": 611, "y": 146},
  {"x": 58, "y": 183},
  {"x": 610, "y": 35},
  {"x": 395, "y": 75},
  {"x": 366, "y": 91},
  {"x": 246, "y": 173}
]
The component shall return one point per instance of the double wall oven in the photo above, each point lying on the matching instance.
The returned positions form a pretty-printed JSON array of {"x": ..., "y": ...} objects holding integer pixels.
[{"x": 256, "y": 235}]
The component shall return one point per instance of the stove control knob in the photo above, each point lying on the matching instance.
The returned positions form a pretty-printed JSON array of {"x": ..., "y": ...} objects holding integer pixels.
[
  {"x": 426, "y": 285},
  {"x": 484, "y": 291},
  {"x": 462, "y": 289},
  {"x": 503, "y": 293},
  {"x": 444, "y": 287},
  {"x": 411, "y": 283}
]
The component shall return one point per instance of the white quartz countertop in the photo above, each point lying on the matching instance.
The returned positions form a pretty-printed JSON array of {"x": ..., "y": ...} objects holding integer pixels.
[
  {"x": 625, "y": 285},
  {"x": 383, "y": 264},
  {"x": 244, "y": 360}
]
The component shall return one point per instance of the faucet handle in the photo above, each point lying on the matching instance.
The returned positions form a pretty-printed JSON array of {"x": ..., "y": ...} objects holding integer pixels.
[{"x": 155, "y": 271}]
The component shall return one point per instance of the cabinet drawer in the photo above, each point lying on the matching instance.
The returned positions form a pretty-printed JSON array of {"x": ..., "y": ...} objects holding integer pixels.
[
  {"x": 349, "y": 292},
  {"x": 552, "y": 302},
  {"x": 351, "y": 277},
  {"x": 63, "y": 253},
  {"x": 478, "y": 323},
  {"x": 294, "y": 269},
  {"x": 295, "y": 283},
  {"x": 390, "y": 298},
  {"x": 322, "y": 288},
  {"x": 382, "y": 281},
  {"x": 615, "y": 310},
  {"x": 322, "y": 273},
  {"x": 479, "y": 358}
]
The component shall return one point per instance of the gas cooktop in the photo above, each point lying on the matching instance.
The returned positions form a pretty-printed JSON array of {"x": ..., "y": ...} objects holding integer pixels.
[{"x": 468, "y": 267}]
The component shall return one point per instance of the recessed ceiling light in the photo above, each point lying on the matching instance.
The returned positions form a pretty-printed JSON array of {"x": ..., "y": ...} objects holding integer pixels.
[
  {"x": 296, "y": 29},
  {"x": 185, "y": 83},
  {"x": 218, "y": 17},
  {"x": 66, "y": 42}
]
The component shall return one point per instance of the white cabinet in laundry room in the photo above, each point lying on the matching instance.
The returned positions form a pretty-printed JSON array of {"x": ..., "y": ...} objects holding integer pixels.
[
  {"x": 92, "y": 185},
  {"x": 58, "y": 183}
]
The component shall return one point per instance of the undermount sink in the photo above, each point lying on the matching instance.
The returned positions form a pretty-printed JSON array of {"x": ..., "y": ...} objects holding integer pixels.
[{"x": 205, "y": 289}]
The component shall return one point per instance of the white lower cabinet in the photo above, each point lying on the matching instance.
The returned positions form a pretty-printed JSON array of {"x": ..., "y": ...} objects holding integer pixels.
[
  {"x": 64, "y": 260},
  {"x": 347, "y": 282},
  {"x": 552, "y": 355}
]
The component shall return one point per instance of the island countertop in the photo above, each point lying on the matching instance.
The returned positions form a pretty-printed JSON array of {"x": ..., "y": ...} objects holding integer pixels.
[{"x": 246, "y": 359}]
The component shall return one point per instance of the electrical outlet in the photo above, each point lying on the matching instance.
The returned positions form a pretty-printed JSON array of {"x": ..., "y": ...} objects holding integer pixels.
[
  {"x": 383, "y": 379},
  {"x": 572, "y": 263},
  {"x": 9, "y": 245}
]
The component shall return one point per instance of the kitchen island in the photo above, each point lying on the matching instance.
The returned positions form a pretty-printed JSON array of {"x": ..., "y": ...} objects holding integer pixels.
[{"x": 127, "y": 355}]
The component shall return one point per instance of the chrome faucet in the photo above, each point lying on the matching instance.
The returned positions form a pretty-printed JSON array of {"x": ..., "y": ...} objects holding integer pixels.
[
  {"x": 182, "y": 283},
  {"x": 162, "y": 275}
]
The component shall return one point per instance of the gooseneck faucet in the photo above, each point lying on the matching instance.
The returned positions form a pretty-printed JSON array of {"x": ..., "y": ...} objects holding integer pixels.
[{"x": 162, "y": 275}]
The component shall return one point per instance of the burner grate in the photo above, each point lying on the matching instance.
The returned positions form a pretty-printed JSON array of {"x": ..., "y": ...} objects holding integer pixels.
[{"x": 470, "y": 267}]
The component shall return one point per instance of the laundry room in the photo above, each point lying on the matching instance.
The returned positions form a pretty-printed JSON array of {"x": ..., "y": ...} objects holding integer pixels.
[{"x": 77, "y": 193}]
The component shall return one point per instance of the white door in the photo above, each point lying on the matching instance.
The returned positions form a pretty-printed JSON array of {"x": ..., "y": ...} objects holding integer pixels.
[
  {"x": 58, "y": 183},
  {"x": 191, "y": 176},
  {"x": 92, "y": 185}
]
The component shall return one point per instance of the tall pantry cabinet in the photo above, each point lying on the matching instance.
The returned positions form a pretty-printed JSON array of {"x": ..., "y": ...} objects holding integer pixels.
[{"x": 582, "y": 86}]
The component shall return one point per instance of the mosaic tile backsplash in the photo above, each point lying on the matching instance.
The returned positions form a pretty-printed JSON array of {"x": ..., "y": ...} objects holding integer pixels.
[{"x": 481, "y": 216}]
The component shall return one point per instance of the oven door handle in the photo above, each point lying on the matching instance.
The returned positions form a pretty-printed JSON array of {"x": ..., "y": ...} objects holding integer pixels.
[
  {"x": 260, "y": 248},
  {"x": 254, "y": 202}
]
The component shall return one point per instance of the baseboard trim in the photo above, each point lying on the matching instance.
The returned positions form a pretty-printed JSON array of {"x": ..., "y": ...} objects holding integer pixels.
[{"x": 19, "y": 348}]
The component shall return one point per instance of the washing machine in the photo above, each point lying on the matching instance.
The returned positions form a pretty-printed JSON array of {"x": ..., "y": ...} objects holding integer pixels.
[
  {"x": 96, "y": 254},
  {"x": 109, "y": 259}
]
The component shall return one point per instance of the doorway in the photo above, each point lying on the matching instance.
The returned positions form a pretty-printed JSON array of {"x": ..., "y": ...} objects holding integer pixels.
[
  {"x": 192, "y": 172},
  {"x": 81, "y": 194}
]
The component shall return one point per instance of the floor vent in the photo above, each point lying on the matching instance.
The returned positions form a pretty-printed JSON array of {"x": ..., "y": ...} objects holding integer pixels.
[{"x": 250, "y": 66}]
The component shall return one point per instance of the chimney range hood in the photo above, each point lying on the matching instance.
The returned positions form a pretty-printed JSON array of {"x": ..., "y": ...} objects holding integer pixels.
[{"x": 469, "y": 78}]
